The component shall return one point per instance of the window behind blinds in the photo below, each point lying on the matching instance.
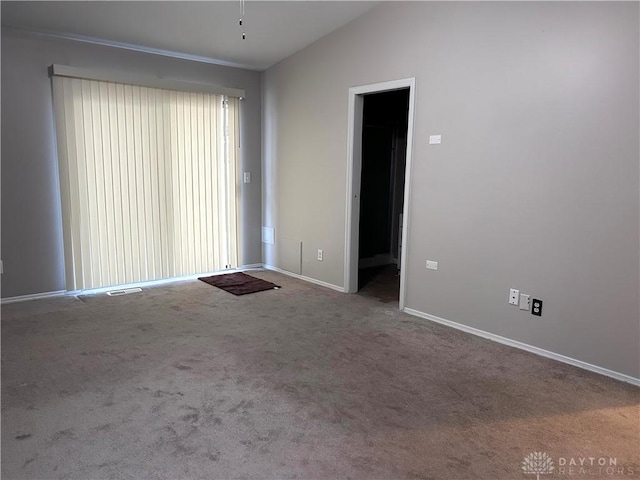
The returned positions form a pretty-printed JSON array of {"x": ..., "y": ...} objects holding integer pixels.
[{"x": 148, "y": 179}]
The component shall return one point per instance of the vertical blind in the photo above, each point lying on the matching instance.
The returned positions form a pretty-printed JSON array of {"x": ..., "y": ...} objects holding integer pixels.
[{"x": 148, "y": 179}]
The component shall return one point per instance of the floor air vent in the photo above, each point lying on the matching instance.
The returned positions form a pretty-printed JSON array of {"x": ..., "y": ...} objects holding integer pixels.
[{"x": 126, "y": 291}]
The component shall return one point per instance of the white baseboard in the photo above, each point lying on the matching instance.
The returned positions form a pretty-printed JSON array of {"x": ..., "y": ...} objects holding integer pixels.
[
  {"x": 523, "y": 346},
  {"x": 302, "y": 277},
  {"x": 251, "y": 266},
  {"x": 33, "y": 296}
]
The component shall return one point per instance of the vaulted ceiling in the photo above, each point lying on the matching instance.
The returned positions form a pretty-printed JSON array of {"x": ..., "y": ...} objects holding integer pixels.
[{"x": 205, "y": 30}]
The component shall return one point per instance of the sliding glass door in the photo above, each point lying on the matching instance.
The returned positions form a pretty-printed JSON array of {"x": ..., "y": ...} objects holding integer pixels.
[{"x": 148, "y": 179}]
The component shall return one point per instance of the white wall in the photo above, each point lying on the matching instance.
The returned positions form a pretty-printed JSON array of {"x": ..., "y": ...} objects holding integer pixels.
[
  {"x": 32, "y": 248},
  {"x": 536, "y": 183}
]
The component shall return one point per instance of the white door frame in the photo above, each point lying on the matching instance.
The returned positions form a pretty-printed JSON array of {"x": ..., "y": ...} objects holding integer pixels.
[{"x": 354, "y": 170}]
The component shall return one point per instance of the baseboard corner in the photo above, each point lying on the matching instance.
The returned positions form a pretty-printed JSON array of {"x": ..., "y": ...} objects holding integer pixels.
[{"x": 304, "y": 278}]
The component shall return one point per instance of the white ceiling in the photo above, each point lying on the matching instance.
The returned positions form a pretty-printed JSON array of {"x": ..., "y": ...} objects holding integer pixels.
[{"x": 205, "y": 30}]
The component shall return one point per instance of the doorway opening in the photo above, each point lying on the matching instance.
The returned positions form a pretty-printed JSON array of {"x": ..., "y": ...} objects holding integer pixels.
[
  {"x": 380, "y": 140},
  {"x": 384, "y": 149}
]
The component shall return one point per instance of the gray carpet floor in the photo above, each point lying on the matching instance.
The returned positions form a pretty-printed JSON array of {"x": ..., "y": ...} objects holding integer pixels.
[{"x": 187, "y": 381}]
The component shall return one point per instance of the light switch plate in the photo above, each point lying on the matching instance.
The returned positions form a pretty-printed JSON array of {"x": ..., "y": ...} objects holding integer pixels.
[
  {"x": 268, "y": 235},
  {"x": 525, "y": 301},
  {"x": 435, "y": 139},
  {"x": 247, "y": 177}
]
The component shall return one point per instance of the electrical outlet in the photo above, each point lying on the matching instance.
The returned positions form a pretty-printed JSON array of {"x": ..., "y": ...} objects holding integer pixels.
[
  {"x": 431, "y": 265},
  {"x": 513, "y": 296},
  {"x": 537, "y": 307},
  {"x": 247, "y": 177},
  {"x": 524, "y": 301},
  {"x": 320, "y": 253}
]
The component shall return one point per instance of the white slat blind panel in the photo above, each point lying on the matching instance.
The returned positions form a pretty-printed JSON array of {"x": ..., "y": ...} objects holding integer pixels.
[{"x": 148, "y": 179}]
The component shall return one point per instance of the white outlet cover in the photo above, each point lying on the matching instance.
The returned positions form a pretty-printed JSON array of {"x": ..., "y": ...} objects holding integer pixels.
[
  {"x": 320, "y": 254},
  {"x": 431, "y": 265},
  {"x": 247, "y": 177},
  {"x": 435, "y": 139},
  {"x": 513, "y": 296}
]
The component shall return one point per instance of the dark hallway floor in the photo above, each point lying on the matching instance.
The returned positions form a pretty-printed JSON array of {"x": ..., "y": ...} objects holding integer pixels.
[{"x": 381, "y": 283}]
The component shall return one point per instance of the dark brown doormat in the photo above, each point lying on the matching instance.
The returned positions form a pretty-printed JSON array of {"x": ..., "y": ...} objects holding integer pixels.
[{"x": 239, "y": 283}]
